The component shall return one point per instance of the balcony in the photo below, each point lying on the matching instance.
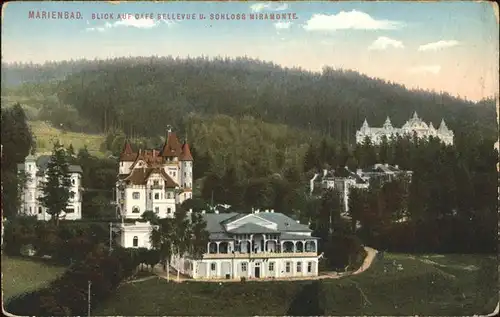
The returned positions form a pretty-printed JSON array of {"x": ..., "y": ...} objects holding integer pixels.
[
  {"x": 238, "y": 255},
  {"x": 156, "y": 187}
]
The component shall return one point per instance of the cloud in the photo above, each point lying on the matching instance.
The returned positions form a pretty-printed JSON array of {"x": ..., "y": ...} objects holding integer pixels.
[
  {"x": 269, "y": 6},
  {"x": 383, "y": 43},
  {"x": 433, "y": 69},
  {"x": 282, "y": 25},
  {"x": 352, "y": 20},
  {"x": 436, "y": 46},
  {"x": 130, "y": 22}
]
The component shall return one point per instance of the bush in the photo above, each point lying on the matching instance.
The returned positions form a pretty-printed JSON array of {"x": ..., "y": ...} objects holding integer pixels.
[{"x": 342, "y": 250}]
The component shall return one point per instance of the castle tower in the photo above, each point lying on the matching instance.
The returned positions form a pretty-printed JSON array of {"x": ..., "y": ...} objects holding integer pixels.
[
  {"x": 387, "y": 124},
  {"x": 186, "y": 160},
  {"x": 127, "y": 158},
  {"x": 30, "y": 193}
]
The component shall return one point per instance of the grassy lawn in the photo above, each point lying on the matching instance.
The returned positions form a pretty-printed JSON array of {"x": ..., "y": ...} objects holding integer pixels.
[
  {"x": 422, "y": 288},
  {"x": 21, "y": 275},
  {"x": 46, "y": 134}
]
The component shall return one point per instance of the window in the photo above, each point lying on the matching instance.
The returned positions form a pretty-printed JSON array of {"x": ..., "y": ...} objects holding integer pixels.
[
  {"x": 39, "y": 210},
  {"x": 169, "y": 210},
  {"x": 155, "y": 183},
  {"x": 174, "y": 174},
  {"x": 136, "y": 210},
  {"x": 271, "y": 266},
  {"x": 29, "y": 167},
  {"x": 309, "y": 267},
  {"x": 150, "y": 197},
  {"x": 213, "y": 267},
  {"x": 169, "y": 196},
  {"x": 288, "y": 267},
  {"x": 244, "y": 267},
  {"x": 157, "y": 209},
  {"x": 136, "y": 195},
  {"x": 30, "y": 210},
  {"x": 73, "y": 181},
  {"x": 135, "y": 242},
  {"x": 157, "y": 196},
  {"x": 185, "y": 174},
  {"x": 299, "y": 267}
]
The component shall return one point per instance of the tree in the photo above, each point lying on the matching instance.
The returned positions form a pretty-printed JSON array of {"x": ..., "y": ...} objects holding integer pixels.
[
  {"x": 17, "y": 140},
  {"x": 182, "y": 235},
  {"x": 56, "y": 188},
  {"x": 162, "y": 240}
]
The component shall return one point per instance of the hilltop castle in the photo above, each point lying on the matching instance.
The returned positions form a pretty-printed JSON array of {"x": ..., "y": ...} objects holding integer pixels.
[{"x": 414, "y": 126}]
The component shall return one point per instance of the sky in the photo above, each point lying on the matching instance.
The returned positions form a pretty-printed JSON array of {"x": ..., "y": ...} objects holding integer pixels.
[{"x": 442, "y": 46}]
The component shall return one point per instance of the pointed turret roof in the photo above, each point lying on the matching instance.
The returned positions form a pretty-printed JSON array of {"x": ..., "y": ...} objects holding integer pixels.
[
  {"x": 415, "y": 115},
  {"x": 443, "y": 126},
  {"x": 172, "y": 146},
  {"x": 365, "y": 124},
  {"x": 387, "y": 123},
  {"x": 186, "y": 153},
  {"x": 127, "y": 153}
]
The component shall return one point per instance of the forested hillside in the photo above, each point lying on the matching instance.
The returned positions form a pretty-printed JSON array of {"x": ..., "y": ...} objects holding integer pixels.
[{"x": 141, "y": 95}]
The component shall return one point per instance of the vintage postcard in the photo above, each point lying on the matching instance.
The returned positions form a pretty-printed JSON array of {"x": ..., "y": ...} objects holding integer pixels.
[{"x": 296, "y": 158}]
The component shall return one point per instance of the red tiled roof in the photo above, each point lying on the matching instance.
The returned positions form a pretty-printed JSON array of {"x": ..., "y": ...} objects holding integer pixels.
[
  {"x": 172, "y": 147},
  {"x": 169, "y": 182},
  {"x": 186, "y": 153},
  {"x": 127, "y": 153},
  {"x": 139, "y": 176},
  {"x": 150, "y": 157}
]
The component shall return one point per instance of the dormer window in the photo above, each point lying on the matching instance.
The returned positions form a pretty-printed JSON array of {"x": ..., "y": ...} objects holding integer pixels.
[{"x": 155, "y": 183}]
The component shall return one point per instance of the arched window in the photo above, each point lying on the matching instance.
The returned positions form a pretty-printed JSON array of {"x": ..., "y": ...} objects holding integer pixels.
[
  {"x": 135, "y": 241},
  {"x": 136, "y": 210},
  {"x": 39, "y": 210}
]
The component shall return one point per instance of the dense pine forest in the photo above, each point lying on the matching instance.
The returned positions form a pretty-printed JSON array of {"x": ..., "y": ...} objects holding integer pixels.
[
  {"x": 141, "y": 95},
  {"x": 258, "y": 131}
]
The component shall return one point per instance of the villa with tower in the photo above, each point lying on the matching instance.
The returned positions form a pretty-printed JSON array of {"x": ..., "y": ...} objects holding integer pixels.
[{"x": 414, "y": 126}]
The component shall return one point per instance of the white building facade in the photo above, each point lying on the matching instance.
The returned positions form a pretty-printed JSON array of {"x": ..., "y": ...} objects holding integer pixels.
[
  {"x": 414, "y": 126},
  {"x": 154, "y": 180},
  {"x": 343, "y": 179},
  {"x": 35, "y": 170},
  {"x": 253, "y": 246}
]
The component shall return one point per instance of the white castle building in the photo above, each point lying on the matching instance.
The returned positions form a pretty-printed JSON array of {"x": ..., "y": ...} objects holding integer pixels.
[
  {"x": 35, "y": 170},
  {"x": 343, "y": 179},
  {"x": 414, "y": 126}
]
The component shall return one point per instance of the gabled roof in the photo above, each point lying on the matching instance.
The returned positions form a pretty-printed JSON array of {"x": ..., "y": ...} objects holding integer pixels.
[
  {"x": 139, "y": 176},
  {"x": 250, "y": 228}
]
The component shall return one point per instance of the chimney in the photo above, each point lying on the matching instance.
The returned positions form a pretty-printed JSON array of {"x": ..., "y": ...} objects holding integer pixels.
[
  {"x": 256, "y": 211},
  {"x": 325, "y": 171},
  {"x": 298, "y": 221},
  {"x": 203, "y": 212},
  {"x": 358, "y": 171},
  {"x": 216, "y": 211},
  {"x": 386, "y": 165},
  {"x": 272, "y": 210},
  {"x": 396, "y": 166}
]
